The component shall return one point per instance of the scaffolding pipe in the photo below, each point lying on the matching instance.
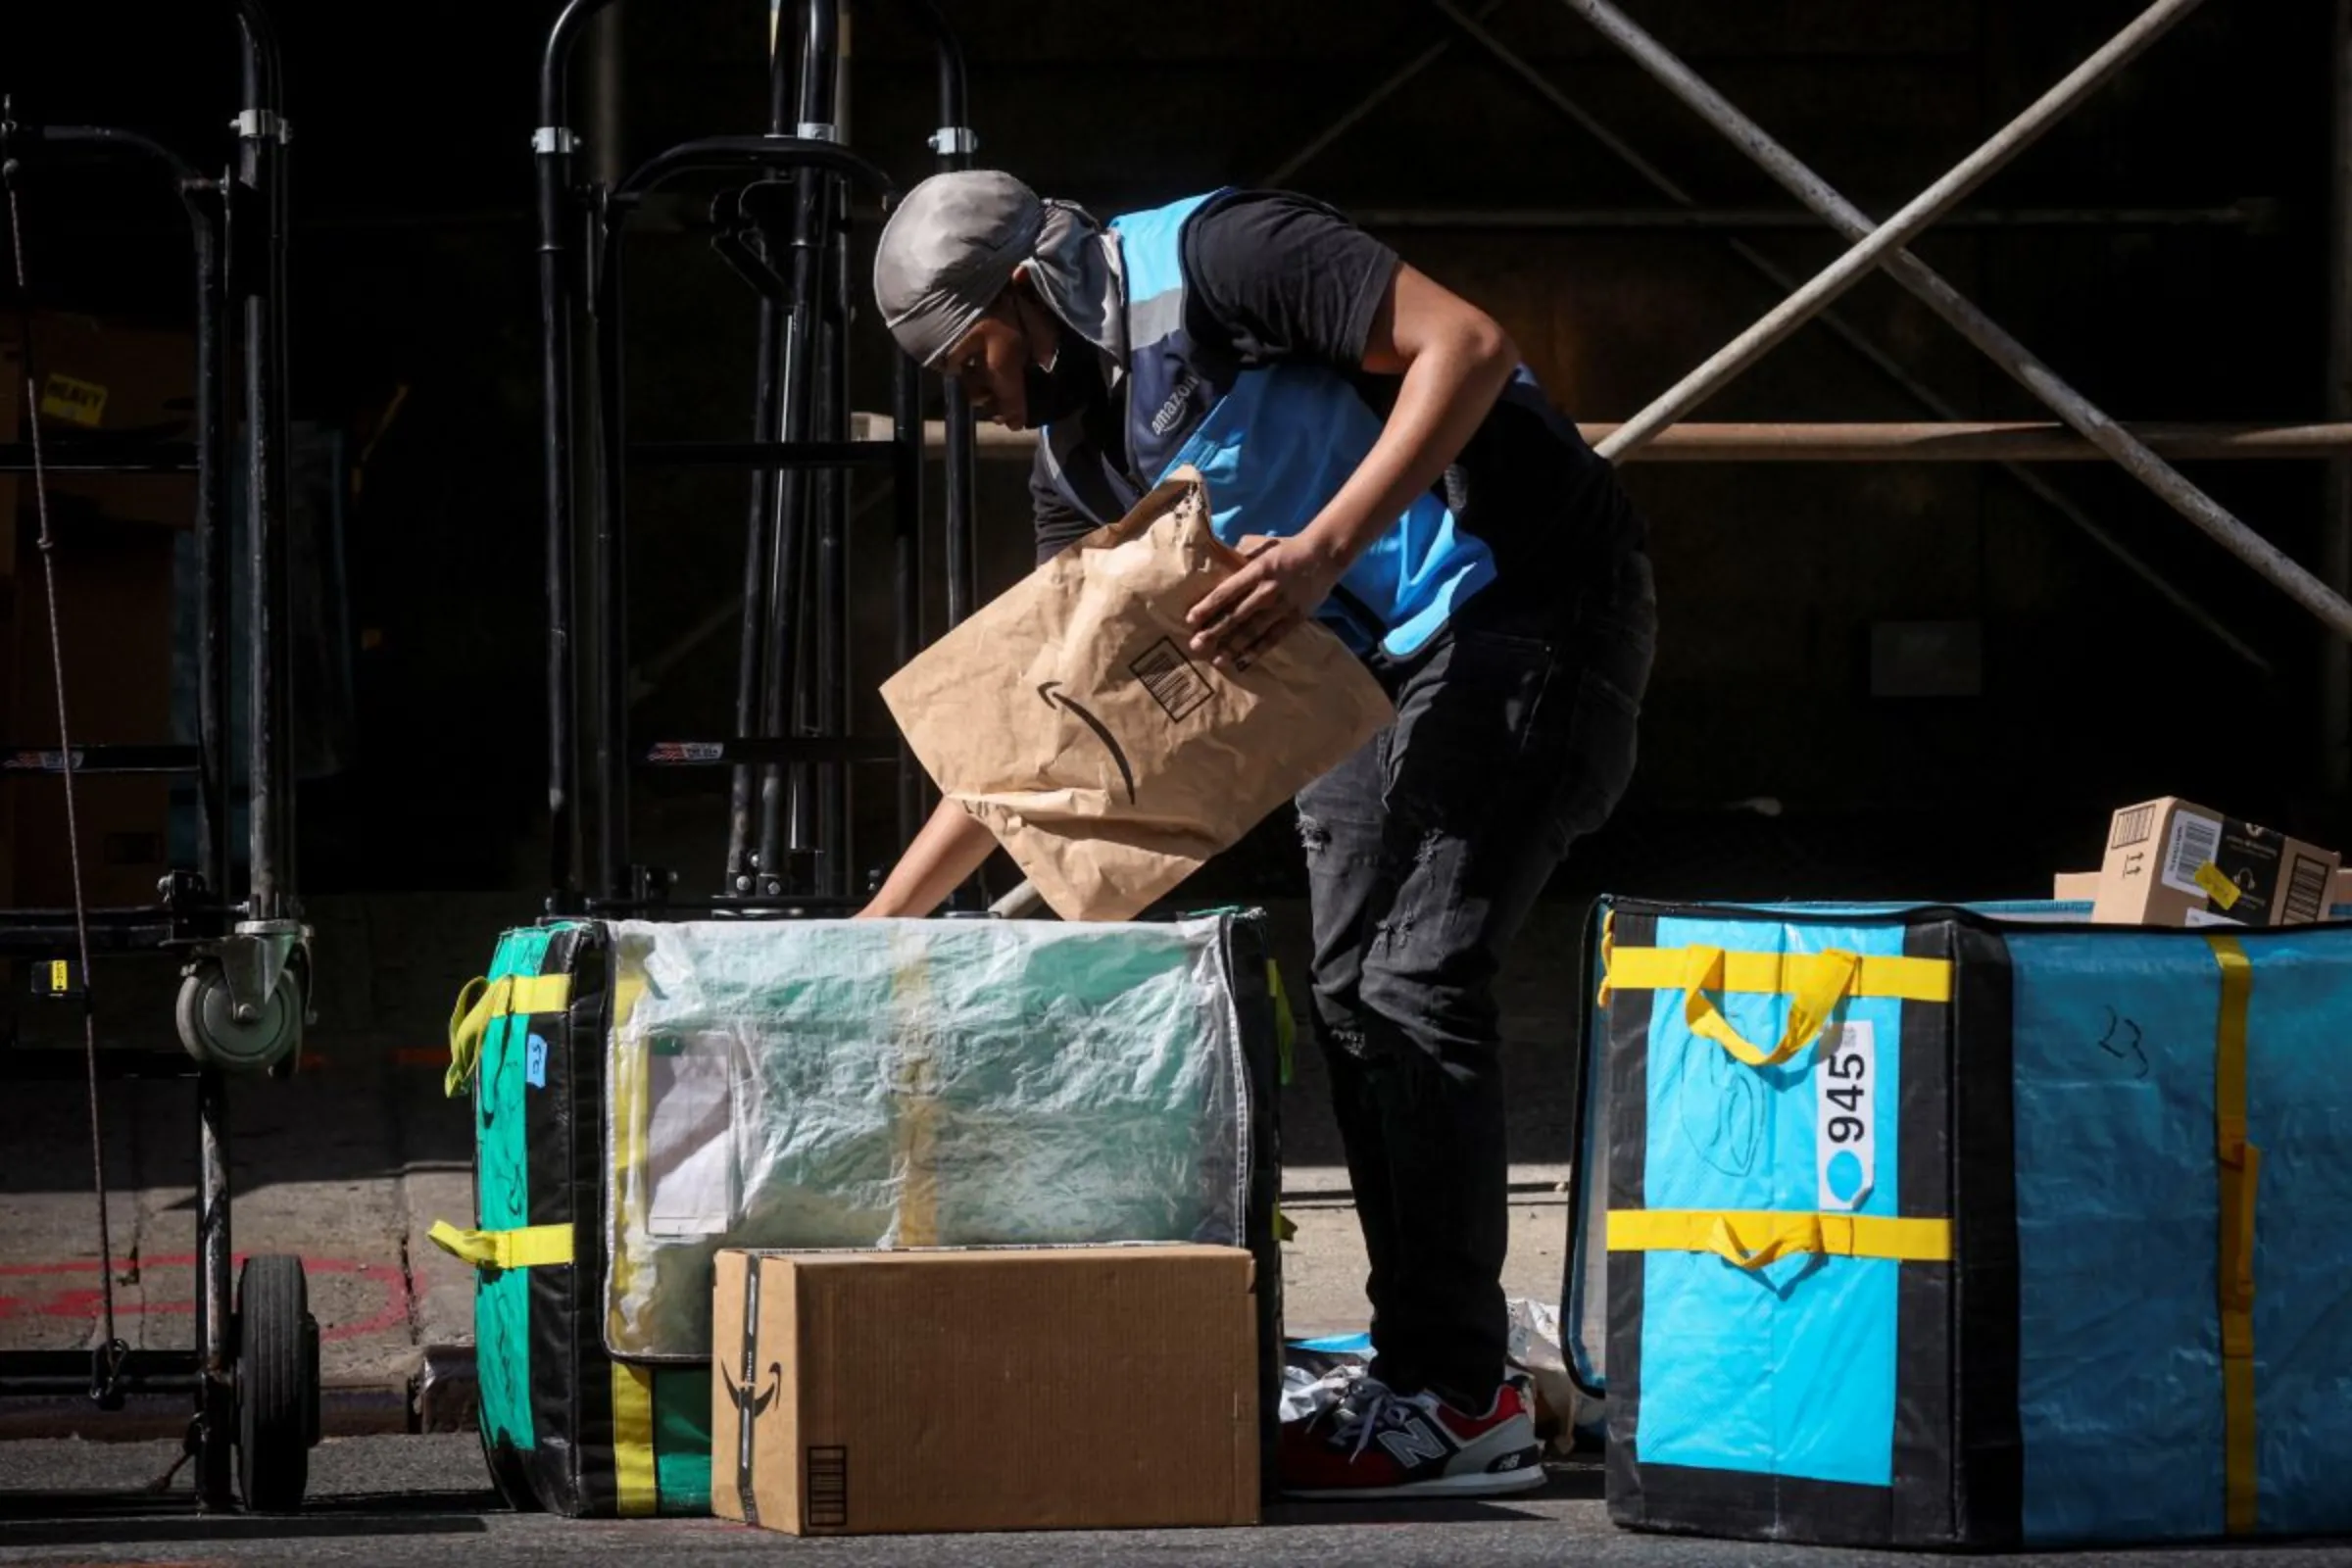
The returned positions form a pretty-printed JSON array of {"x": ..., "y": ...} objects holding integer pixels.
[
  {"x": 1921, "y": 210},
  {"x": 1949, "y": 441},
  {"x": 2274, "y": 565},
  {"x": 1978, "y": 441},
  {"x": 1853, "y": 338},
  {"x": 1711, "y": 219}
]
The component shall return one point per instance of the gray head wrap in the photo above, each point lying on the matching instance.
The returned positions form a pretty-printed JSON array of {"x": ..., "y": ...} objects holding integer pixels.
[{"x": 951, "y": 246}]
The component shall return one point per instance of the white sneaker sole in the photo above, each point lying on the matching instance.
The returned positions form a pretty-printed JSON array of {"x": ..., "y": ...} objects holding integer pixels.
[{"x": 1474, "y": 1483}]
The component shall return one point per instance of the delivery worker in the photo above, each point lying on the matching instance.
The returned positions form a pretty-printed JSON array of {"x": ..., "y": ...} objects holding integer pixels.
[{"x": 1405, "y": 481}]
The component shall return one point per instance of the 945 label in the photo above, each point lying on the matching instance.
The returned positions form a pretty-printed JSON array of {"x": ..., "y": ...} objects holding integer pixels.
[{"x": 1845, "y": 1080}]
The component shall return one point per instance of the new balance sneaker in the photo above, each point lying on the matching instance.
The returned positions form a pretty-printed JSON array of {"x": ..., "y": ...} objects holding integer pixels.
[{"x": 1376, "y": 1443}]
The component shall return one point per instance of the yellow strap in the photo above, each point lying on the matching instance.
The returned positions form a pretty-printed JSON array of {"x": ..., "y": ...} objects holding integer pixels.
[
  {"x": 637, "y": 1491},
  {"x": 2240, "y": 1166},
  {"x": 914, "y": 1094},
  {"x": 627, "y": 990},
  {"x": 530, "y": 1246},
  {"x": 1880, "y": 975},
  {"x": 1819, "y": 981},
  {"x": 541, "y": 992},
  {"x": 1753, "y": 1238},
  {"x": 483, "y": 1001},
  {"x": 1609, "y": 957},
  {"x": 467, "y": 1021}
]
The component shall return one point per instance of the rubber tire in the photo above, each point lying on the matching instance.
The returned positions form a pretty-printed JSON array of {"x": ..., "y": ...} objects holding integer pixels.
[{"x": 277, "y": 1385}]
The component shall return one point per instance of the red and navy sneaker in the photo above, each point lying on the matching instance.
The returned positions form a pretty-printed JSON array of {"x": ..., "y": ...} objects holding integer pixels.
[{"x": 1376, "y": 1443}]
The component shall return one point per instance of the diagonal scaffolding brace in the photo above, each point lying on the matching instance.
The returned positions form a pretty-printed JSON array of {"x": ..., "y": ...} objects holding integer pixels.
[
  {"x": 1853, "y": 338},
  {"x": 1881, "y": 246}
]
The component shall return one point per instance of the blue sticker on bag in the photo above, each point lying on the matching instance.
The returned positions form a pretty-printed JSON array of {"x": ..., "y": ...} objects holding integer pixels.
[{"x": 534, "y": 1063}]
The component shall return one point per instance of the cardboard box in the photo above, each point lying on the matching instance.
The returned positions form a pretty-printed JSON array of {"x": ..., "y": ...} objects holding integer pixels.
[
  {"x": 2172, "y": 862},
  {"x": 113, "y": 596},
  {"x": 12, "y": 390},
  {"x": 2082, "y": 887},
  {"x": 2075, "y": 886},
  {"x": 992, "y": 1389},
  {"x": 12, "y": 398},
  {"x": 103, "y": 376}
]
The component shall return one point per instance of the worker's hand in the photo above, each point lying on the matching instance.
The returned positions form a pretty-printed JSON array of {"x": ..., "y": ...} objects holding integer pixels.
[{"x": 1280, "y": 584}]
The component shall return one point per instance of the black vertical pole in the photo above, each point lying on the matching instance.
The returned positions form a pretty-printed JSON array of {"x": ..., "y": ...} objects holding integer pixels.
[
  {"x": 757, "y": 610},
  {"x": 281, "y": 587},
  {"x": 259, "y": 148},
  {"x": 788, "y": 565},
  {"x": 216, "y": 1392},
  {"x": 955, "y": 142},
  {"x": 609, "y": 563},
  {"x": 832, "y": 548},
  {"x": 214, "y": 856},
  {"x": 834, "y": 795},
  {"x": 906, "y": 481},
  {"x": 551, "y": 146}
]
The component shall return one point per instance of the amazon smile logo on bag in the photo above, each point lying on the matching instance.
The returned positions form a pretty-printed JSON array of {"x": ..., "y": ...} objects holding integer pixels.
[
  {"x": 1054, "y": 697},
  {"x": 1068, "y": 718}
]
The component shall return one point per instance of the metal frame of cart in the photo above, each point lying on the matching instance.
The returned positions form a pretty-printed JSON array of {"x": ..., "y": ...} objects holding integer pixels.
[
  {"x": 244, "y": 1001},
  {"x": 784, "y": 230}
]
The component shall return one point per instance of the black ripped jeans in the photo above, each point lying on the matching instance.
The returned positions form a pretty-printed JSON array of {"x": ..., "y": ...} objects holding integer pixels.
[{"x": 1425, "y": 851}]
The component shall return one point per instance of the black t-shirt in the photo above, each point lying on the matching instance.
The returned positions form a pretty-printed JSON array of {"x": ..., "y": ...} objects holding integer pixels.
[{"x": 1275, "y": 277}]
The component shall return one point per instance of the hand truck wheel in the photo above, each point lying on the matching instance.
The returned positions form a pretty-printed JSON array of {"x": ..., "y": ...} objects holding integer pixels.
[{"x": 278, "y": 1384}]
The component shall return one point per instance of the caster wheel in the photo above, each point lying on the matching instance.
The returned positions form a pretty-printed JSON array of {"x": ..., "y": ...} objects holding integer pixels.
[
  {"x": 277, "y": 1385},
  {"x": 212, "y": 1033}
]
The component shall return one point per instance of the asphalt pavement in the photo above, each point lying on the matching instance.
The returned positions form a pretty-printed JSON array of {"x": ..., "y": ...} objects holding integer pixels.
[{"x": 423, "y": 1502}]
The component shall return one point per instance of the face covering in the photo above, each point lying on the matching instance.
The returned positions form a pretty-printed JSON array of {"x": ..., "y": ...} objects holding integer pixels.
[{"x": 1072, "y": 386}]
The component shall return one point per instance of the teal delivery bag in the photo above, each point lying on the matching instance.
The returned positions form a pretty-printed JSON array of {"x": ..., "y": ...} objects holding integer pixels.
[{"x": 1966, "y": 1227}]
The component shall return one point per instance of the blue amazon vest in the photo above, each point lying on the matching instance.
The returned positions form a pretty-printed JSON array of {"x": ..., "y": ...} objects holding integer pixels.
[{"x": 1274, "y": 444}]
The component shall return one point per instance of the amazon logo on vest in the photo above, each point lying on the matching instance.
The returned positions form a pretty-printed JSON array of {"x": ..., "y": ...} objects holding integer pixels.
[{"x": 1171, "y": 412}]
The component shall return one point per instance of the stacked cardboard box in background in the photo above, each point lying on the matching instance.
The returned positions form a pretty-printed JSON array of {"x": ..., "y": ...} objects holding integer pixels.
[
  {"x": 12, "y": 488},
  {"x": 115, "y": 537},
  {"x": 2172, "y": 862},
  {"x": 1080, "y": 1387}
]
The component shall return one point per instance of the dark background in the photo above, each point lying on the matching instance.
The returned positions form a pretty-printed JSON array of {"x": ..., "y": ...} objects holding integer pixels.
[{"x": 415, "y": 296}]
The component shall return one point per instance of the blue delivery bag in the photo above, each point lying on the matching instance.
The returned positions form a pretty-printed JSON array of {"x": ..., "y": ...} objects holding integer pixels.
[{"x": 1966, "y": 1227}]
